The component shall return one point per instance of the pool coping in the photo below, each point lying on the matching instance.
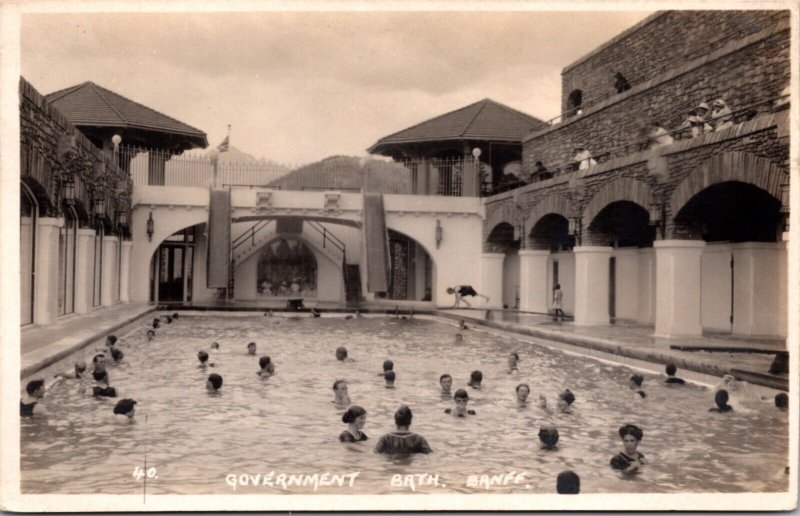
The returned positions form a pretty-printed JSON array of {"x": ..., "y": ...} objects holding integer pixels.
[{"x": 614, "y": 348}]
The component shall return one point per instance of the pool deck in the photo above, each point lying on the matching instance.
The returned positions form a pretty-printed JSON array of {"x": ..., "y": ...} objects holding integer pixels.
[{"x": 744, "y": 357}]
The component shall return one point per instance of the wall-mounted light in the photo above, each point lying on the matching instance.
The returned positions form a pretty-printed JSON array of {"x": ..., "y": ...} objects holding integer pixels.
[
  {"x": 573, "y": 225},
  {"x": 99, "y": 206},
  {"x": 439, "y": 233},
  {"x": 122, "y": 217},
  {"x": 655, "y": 213},
  {"x": 69, "y": 190},
  {"x": 150, "y": 227},
  {"x": 785, "y": 198}
]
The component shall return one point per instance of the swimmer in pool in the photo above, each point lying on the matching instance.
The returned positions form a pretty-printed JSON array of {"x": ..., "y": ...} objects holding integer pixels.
[
  {"x": 117, "y": 355},
  {"x": 315, "y": 313},
  {"x": 150, "y": 335},
  {"x": 402, "y": 441},
  {"x": 721, "y": 399},
  {"x": 215, "y": 345},
  {"x": 671, "y": 378},
  {"x": 99, "y": 363},
  {"x": 156, "y": 323},
  {"x": 568, "y": 482},
  {"x": 102, "y": 388},
  {"x": 267, "y": 367},
  {"x": 111, "y": 341},
  {"x": 523, "y": 390},
  {"x": 459, "y": 338},
  {"x": 341, "y": 355},
  {"x": 202, "y": 356},
  {"x": 548, "y": 436},
  {"x": 76, "y": 373},
  {"x": 629, "y": 460},
  {"x": 175, "y": 315},
  {"x": 251, "y": 348},
  {"x": 460, "y": 398},
  {"x": 446, "y": 381},
  {"x": 389, "y": 376},
  {"x": 475, "y": 379},
  {"x": 635, "y": 383},
  {"x": 565, "y": 401},
  {"x": 34, "y": 391},
  {"x": 168, "y": 319},
  {"x": 214, "y": 383},
  {"x": 782, "y": 401},
  {"x": 355, "y": 418},
  {"x": 513, "y": 359},
  {"x": 125, "y": 407},
  {"x": 341, "y": 397},
  {"x": 462, "y": 325},
  {"x": 388, "y": 365}
]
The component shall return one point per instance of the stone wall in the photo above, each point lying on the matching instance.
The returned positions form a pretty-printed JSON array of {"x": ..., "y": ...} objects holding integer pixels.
[
  {"x": 657, "y": 44},
  {"x": 746, "y": 72},
  {"x": 53, "y": 149}
]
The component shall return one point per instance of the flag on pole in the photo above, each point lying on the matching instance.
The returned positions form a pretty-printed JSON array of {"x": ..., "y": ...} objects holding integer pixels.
[{"x": 223, "y": 147}]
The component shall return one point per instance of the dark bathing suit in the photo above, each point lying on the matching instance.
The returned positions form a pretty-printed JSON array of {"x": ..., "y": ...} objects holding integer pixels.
[
  {"x": 109, "y": 392},
  {"x": 622, "y": 460},
  {"x": 672, "y": 379},
  {"x": 26, "y": 409},
  {"x": 466, "y": 290},
  {"x": 402, "y": 442},
  {"x": 347, "y": 437}
]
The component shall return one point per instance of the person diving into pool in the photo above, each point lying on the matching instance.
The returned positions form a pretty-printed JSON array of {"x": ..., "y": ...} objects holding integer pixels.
[{"x": 461, "y": 291}]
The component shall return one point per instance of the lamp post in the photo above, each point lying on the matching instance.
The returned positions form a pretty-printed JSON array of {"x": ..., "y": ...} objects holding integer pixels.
[
  {"x": 476, "y": 154},
  {"x": 99, "y": 207},
  {"x": 69, "y": 191}
]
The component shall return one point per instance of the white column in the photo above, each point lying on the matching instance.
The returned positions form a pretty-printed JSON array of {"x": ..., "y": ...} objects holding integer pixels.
[
  {"x": 109, "y": 270},
  {"x": 491, "y": 280},
  {"x": 533, "y": 280},
  {"x": 84, "y": 263},
  {"x": 647, "y": 286},
  {"x": 678, "y": 280},
  {"x": 46, "y": 275},
  {"x": 125, "y": 277},
  {"x": 759, "y": 295},
  {"x": 591, "y": 284}
]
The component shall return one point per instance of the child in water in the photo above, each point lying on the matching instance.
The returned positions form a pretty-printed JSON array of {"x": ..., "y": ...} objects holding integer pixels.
[
  {"x": 355, "y": 418},
  {"x": 671, "y": 378},
  {"x": 125, "y": 407},
  {"x": 267, "y": 367},
  {"x": 341, "y": 397},
  {"x": 721, "y": 399},
  {"x": 341, "y": 355},
  {"x": 460, "y": 398},
  {"x": 389, "y": 376}
]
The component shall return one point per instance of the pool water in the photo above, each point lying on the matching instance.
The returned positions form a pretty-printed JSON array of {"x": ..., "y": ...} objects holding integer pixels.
[{"x": 287, "y": 424}]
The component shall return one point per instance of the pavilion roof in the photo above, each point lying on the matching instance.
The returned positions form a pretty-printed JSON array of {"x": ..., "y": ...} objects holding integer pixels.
[
  {"x": 88, "y": 104},
  {"x": 485, "y": 120}
]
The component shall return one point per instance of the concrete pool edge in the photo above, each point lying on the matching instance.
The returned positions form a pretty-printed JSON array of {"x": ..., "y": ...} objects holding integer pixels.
[{"x": 613, "y": 348}]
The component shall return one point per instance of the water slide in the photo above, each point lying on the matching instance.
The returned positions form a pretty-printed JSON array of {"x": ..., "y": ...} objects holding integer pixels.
[
  {"x": 219, "y": 239},
  {"x": 376, "y": 243}
]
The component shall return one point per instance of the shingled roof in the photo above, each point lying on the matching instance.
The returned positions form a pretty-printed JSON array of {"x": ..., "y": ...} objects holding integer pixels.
[
  {"x": 485, "y": 120},
  {"x": 88, "y": 104}
]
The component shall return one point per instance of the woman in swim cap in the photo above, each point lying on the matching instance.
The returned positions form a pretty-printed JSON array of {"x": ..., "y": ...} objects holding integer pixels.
[
  {"x": 125, "y": 407},
  {"x": 267, "y": 367},
  {"x": 548, "y": 435},
  {"x": 341, "y": 397},
  {"x": 214, "y": 383},
  {"x": 721, "y": 399},
  {"x": 389, "y": 376},
  {"x": 565, "y": 401},
  {"x": 355, "y": 418},
  {"x": 475, "y": 379},
  {"x": 629, "y": 460}
]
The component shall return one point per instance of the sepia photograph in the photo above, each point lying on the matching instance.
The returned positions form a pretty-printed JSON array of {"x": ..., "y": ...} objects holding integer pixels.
[{"x": 358, "y": 256}]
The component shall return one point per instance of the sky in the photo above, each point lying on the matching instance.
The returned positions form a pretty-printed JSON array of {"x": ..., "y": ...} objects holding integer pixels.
[{"x": 297, "y": 87}]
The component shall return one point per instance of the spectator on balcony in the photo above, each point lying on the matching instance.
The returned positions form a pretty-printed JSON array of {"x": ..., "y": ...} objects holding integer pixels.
[
  {"x": 659, "y": 136},
  {"x": 540, "y": 173},
  {"x": 621, "y": 83},
  {"x": 697, "y": 121},
  {"x": 721, "y": 116},
  {"x": 584, "y": 158}
]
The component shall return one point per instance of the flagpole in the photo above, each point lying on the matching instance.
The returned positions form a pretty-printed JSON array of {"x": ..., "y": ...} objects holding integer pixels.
[{"x": 229, "y": 135}]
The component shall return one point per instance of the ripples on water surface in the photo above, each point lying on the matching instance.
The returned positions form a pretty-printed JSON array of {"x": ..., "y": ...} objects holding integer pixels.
[{"x": 288, "y": 424}]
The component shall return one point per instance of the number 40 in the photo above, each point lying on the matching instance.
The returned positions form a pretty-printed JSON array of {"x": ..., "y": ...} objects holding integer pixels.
[{"x": 139, "y": 473}]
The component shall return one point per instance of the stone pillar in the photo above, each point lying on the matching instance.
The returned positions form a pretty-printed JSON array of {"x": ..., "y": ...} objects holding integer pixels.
[
  {"x": 591, "y": 284},
  {"x": 533, "y": 281},
  {"x": 125, "y": 274},
  {"x": 45, "y": 308},
  {"x": 84, "y": 263},
  {"x": 109, "y": 270},
  {"x": 678, "y": 282},
  {"x": 759, "y": 289},
  {"x": 491, "y": 280},
  {"x": 647, "y": 286}
]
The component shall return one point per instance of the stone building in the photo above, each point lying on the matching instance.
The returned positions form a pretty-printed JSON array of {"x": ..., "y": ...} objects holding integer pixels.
[{"x": 687, "y": 236}]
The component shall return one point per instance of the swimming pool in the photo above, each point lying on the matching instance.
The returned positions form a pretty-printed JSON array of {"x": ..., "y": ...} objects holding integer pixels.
[{"x": 287, "y": 424}]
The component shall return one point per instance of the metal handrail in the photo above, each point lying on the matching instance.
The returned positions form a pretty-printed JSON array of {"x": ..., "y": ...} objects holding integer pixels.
[
  {"x": 661, "y": 69},
  {"x": 327, "y": 235},
  {"x": 250, "y": 233}
]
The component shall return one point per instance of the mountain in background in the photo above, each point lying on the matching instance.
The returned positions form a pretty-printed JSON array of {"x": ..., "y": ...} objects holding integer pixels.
[{"x": 348, "y": 173}]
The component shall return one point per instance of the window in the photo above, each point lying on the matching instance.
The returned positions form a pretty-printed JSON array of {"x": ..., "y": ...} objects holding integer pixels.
[{"x": 574, "y": 103}]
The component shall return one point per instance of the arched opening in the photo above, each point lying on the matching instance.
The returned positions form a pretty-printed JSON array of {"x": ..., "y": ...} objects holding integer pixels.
[
  {"x": 552, "y": 232},
  {"x": 411, "y": 269},
  {"x": 286, "y": 269},
  {"x": 28, "y": 213},
  {"x": 574, "y": 103},
  {"x": 743, "y": 266},
  {"x": 624, "y": 225},
  {"x": 172, "y": 267},
  {"x": 503, "y": 239}
]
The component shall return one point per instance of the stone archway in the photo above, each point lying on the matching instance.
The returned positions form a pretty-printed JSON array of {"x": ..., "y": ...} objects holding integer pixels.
[{"x": 624, "y": 189}]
